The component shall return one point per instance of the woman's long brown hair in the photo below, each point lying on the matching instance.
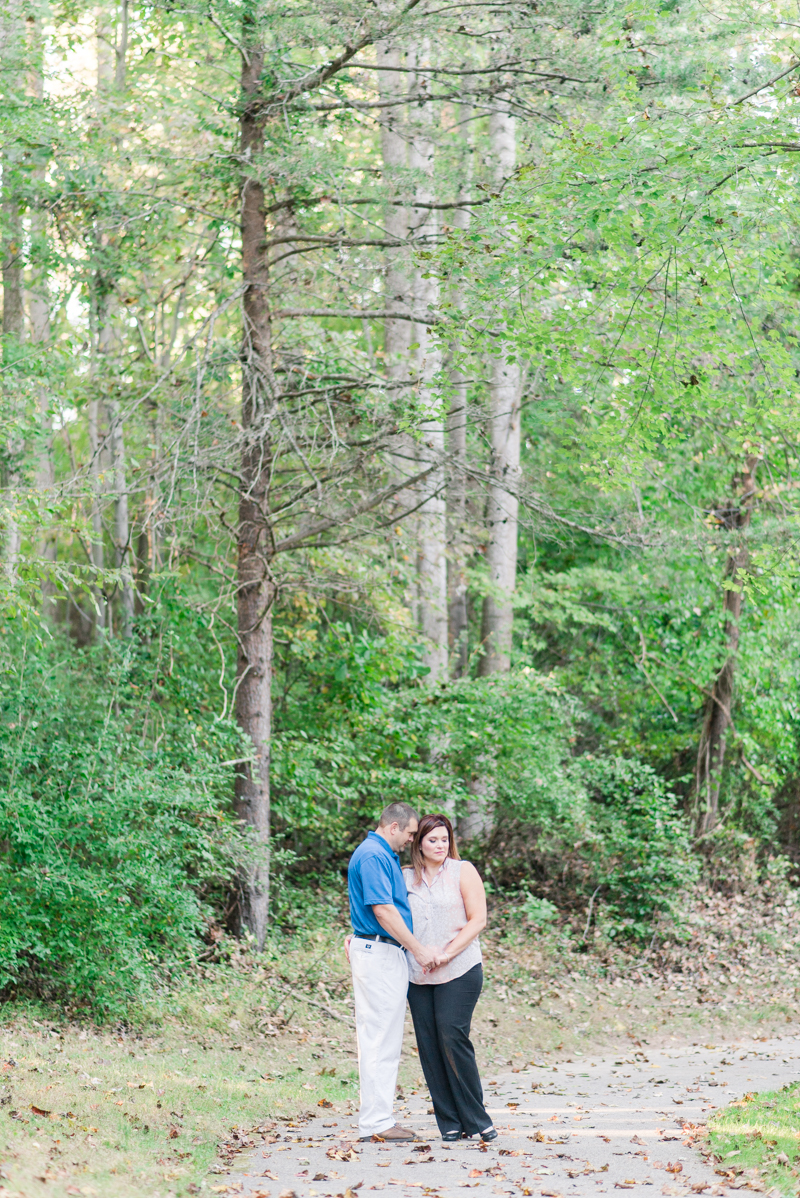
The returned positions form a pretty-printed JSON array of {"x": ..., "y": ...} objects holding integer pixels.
[{"x": 426, "y": 825}]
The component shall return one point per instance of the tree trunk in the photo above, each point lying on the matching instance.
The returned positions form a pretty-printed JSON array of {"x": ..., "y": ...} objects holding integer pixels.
[
  {"x": 504, "y": 435},
  {"x": 122, "y": 529},
  {"x": 96, "y": 548},
  {"x": 394, "y": 149},
  {"x": 457, "y": 621},
  {"x": 717, "y": 718},
  {"x": 432, "y": 528},
  {"x": 39, "y": 311},
  {"x": 11, "y": 251},
  {"x": 121, "y": 48},
  {"x": 256, "y": 590}
]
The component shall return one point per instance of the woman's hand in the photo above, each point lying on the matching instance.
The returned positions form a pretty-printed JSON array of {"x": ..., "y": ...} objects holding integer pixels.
[{"x": 347, "y": 940}]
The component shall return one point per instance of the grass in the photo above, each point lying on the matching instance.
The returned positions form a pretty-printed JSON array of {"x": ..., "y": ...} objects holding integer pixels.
[
  {"x": 758, "y": 1139},
  {"x": 153, "y": 1109}
]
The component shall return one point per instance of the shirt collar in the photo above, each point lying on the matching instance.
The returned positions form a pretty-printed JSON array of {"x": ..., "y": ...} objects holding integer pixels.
[{"x": 385, "y": 844}]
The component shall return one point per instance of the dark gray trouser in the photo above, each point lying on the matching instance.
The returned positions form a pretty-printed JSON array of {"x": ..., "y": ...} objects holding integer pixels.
[{"x": 442, "y": 1015}]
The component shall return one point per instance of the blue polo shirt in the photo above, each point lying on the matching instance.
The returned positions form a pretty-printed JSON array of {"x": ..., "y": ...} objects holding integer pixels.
[{"x": 374, "y": 877}]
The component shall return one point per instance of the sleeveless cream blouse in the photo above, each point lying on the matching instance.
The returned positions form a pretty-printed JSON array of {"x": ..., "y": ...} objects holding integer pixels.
[{"x": 439, "y": 915}]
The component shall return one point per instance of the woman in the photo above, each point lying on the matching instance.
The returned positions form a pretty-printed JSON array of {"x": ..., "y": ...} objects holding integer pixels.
[{"x": 448, "y": 906}]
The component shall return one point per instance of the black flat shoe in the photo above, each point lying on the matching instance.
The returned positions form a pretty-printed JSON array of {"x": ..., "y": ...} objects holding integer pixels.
[
  {"x": 489, "y": 1134},
  {"x": 449, "y": 1137}
]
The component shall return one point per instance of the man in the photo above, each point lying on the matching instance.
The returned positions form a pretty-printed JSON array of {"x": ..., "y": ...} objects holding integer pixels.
[{"x": 382, "y": 929}]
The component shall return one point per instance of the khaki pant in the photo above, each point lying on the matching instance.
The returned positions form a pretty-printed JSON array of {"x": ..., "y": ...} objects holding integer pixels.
[{"x": 380, "y": 986}]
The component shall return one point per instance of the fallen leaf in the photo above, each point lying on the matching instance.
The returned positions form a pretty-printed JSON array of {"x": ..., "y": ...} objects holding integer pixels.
[
  {"x": 624, "y": 1185},
  {"x": 677, "y": 1167},
  {"x": 512, "y": 1105},
  {"x": 475, "y": 1173},
  {"x": 324, "y": 1102},
  {"x": 288, "y": 1194},
  {"x": 637, "y": 1140},
  {"x": 316, "y": 1177},
  {"x": 37, "y": 1110},
  {"x": 273, "y": 1177},
  {"x": 552, "y": 1194}
]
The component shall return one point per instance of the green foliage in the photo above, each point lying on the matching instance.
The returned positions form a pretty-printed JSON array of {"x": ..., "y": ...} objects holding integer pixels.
[
  {"x": 639, "y": 848},
  {"x": 612, "y": 821},
  {"x": 539, "y": 911},
  {"x": 111, "y": 839}
]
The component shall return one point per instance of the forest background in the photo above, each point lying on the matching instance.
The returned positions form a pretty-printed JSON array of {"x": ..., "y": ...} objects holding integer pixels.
[{"x": 398, "y": 401}]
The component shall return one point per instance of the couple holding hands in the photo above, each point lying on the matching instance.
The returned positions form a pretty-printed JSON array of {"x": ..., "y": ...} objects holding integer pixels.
[{"x": 415, "y": 937}]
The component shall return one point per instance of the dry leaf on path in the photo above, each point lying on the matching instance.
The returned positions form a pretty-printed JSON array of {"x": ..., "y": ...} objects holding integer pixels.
[{"x": 272, "y": 1176}]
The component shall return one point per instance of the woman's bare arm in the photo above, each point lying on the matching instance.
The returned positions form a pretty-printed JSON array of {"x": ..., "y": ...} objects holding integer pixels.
[{"x": 474, "y": 896}]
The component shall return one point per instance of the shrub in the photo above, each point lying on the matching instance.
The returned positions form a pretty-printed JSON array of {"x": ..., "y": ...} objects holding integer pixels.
[
  {"x": 110, "y": 837},
  {"x": 639, "y": 847}
]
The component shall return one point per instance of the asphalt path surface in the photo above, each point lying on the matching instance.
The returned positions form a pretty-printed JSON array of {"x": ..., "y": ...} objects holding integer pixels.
[{"x": 616, "y": 1122}]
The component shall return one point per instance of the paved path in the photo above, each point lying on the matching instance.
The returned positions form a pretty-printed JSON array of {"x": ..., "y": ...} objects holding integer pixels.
[{"x": 577, "y": 1129}]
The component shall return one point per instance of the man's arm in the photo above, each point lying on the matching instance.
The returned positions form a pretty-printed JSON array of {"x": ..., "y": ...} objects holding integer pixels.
[{"x": 394, "y": 925}]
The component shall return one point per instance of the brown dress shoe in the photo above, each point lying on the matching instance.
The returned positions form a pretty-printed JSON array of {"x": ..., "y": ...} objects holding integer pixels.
[{"x": 393, "y": 1135}]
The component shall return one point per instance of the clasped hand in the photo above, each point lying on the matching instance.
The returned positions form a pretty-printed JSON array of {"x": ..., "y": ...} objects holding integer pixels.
[
  {"x": 429, "y": 958},
  {"x": 432, "y": 958}
]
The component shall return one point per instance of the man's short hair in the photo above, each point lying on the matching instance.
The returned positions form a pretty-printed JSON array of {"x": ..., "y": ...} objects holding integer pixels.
[{"x": 397, "y": 813}]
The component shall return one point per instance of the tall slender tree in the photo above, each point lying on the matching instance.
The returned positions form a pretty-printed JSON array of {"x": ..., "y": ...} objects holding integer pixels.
[
  {"x": 255, "y": 585},
  {"x": 734, "y": 517},
  {"x": 432, "y": 526},
  {"x": 502, "y": 507}
]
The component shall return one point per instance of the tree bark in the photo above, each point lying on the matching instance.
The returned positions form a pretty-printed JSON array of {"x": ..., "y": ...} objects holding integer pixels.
[
  {"x": 394, "y": 151},
  {"x": 97, "y": 548},
  {"x": 121, "y": 48},
  {"x": 256, "y": 589},
  {"x": 717, "y": 716},
  {"x": 432, "y": 527},
  {"x": 457, "y": 619},
  {"x": 39, "y": 312},
  {"x": 122, "y": 529},
  {"x": 11, "y": 253},
  {"x": 504, "y": 434}
]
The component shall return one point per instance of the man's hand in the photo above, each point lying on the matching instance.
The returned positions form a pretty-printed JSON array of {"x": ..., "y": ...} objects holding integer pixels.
[
  {"x": 442, "y": 958},
  {"x": 426, "y": 957}
]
